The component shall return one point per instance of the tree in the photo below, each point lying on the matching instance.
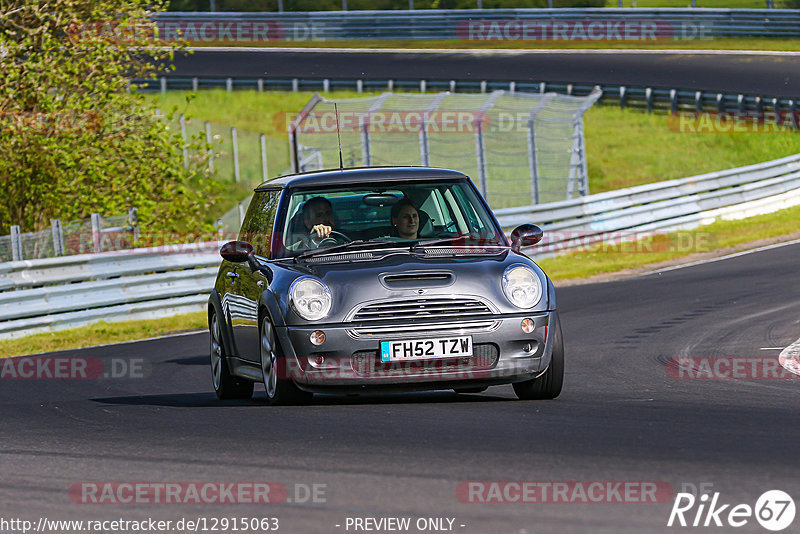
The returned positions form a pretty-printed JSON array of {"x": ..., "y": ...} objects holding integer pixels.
[{"x": 74, "y": 140}]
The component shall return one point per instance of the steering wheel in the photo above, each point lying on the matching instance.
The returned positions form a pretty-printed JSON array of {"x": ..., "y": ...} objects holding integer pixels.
[{"x": 334, "y": 238}]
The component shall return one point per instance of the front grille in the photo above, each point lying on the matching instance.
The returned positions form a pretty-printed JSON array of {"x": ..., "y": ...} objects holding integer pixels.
[
  {"x": 368, "y": 363},
  {"x": 434, "y": 308}
]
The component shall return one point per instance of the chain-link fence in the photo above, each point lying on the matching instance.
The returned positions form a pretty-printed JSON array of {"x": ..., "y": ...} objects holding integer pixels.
[
  {"x": 96, "y": 234},
  {"x": 519, "y": 148}
]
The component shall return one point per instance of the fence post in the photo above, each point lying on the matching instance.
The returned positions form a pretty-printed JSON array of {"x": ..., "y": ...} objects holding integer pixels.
[
  {"x": 58, "y": 237},
  {"x": 235, "y": 143},
  {"x": 480, "y": 147},
  {"x": 424, "y": 142},
  {"x": 210, "y": 147},
  {"x": 97, "y": 237},
  {"x": 133, "y": 220},
  {"x": 264, "y": 172},
  {"x": 183, "y": 136},
  {"x": 533, "y": 163},
  {"x": 16, "y": 243}
]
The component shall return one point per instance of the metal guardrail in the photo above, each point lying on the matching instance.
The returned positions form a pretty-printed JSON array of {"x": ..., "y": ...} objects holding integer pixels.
[
  {"x": 672, "y": 205},
  {"x": 653, "y": 99},
  {"x": 581, "y": 24},
  {"x": 70, "y": 291}
]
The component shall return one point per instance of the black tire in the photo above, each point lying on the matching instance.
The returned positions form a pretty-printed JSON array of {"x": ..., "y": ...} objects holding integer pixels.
[
  {"x": 281, "y": 389},
  {"x": 548, "y": 385},
  {"x": 226, "y": 386},
  {"x": 471, "y": 390}
]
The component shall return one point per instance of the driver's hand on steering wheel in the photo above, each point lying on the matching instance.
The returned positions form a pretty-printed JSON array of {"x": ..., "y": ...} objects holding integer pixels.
[{"x": 321, "y": 230}]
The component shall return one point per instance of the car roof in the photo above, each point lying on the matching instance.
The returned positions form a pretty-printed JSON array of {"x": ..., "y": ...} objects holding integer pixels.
[{"x": 359, "y": 175}]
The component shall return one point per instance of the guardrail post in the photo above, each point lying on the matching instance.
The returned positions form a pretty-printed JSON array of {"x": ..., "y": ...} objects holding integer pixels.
[
  {"x": 163, "y": 81},
  {"x": 623, "y": 96},
  {"x": 16, "y": 243},
  {"x": 295, "y": 85},
  {"x": 264, "y": 173},
  {"x": 793, "y": 114},
  {"x": 648, "y": 95},
  {"x": 58, "y": 237},
  {"x": 326, "y": 85},
  {"x": 673, "y": 101},
  {"x": 759, "y": 105},
  {"x": 483, "y": 86},
  {"x": 235, "y": 143},
  {"x": 740, "y": 103},
  {"x": 390, "y": 85},
  {"x": 195, "y": 84},
  {"x": 422, "y": 86},
  {"x": 229, "y": 84},
  {"x": 720, "y": 103},
  {"x": 260, "y": 85},
  {"x": 97, "y": 237},
  {"x": 452, "y": 86},
  {"x": 185, "y": 150},
  {"x": 133, "y": 221},
  {"x": 210, "y": 147},
  {"x": 542, "y": 87},
  {"x": 698, "y": 102},
  {"x": 512, "y": 87},
  {"x": 776, "y": 106}
]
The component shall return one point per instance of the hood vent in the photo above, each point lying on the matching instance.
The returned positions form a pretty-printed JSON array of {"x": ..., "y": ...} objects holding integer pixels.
[{"x": 419, "y": 279}]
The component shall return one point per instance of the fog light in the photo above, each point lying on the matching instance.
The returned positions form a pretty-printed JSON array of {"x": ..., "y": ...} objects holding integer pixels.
[
  {"x": 528, "y": 326},
  {"x": 317, "y": 337}
]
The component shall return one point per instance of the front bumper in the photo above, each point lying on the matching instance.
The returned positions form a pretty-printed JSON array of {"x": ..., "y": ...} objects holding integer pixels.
[{"x": 350, "y": 360}]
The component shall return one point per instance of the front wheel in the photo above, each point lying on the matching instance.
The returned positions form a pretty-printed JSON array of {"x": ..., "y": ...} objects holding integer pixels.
[
  {"x": 226, "y": 386},
  {"x": 548, "y": 385},
  {"x": 280, "y": 388}
]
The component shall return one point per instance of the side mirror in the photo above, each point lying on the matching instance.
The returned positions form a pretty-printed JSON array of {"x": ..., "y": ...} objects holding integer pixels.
[
  {"x": 525, "y": 235},
  {"x": 236, "y": 251}
]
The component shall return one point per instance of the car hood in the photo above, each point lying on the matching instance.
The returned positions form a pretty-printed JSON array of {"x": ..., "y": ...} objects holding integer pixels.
[{"x": 405, "y": 276}]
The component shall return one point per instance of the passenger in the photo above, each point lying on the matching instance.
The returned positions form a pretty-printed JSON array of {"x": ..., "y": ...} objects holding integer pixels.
[{"x": 405, "y": 219}]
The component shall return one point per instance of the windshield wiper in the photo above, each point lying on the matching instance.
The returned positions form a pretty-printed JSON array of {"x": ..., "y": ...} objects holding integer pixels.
[
  {"x": 345, "y": 246},
  {"x": 443, "y": 240}
]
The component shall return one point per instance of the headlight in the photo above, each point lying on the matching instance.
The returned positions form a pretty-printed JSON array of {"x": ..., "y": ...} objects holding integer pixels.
[
  {"x": 521, "y": 286},
  {"x": 310, "y": 298}
]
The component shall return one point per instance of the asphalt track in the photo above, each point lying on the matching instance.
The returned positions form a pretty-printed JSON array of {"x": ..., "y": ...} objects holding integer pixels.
[
  {"x": 621, "y": 417},
  {"x": 767, "y": 74}
]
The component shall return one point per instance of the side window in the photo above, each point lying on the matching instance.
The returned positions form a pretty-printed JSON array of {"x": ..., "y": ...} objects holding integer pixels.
[{"x": 257, "y": 227}]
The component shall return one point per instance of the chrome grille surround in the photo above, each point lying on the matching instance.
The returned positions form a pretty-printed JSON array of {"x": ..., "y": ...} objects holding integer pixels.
[{"x": 436, "y": 314}]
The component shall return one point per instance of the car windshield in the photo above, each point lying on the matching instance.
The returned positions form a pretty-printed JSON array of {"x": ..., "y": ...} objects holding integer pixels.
[{"x": 380, "y": 215}]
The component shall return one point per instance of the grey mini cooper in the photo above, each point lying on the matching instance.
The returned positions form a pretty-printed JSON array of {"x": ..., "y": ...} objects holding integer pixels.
[{"x": 380, "y": 279}]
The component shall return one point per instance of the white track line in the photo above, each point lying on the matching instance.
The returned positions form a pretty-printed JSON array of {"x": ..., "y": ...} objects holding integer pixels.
[
  {"x": 494, "y": 51},
  {"x": 790, "y": 358},
  {"x": 721, "y": 258}
]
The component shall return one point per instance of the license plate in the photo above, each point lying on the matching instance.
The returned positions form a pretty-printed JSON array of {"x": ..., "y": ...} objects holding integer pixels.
[{"x": 419, "y": 349}]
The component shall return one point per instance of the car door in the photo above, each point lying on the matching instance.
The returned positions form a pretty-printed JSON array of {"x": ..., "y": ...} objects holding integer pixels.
[{"x": 247, "y": 285}]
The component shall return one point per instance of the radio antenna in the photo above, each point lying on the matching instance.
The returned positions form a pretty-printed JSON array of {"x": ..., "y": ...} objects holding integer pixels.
[{"x": 338, "y": 136}]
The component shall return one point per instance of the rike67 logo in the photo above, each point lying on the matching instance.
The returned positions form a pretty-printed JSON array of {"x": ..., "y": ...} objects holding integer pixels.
[{"x": 774, "y": 510}]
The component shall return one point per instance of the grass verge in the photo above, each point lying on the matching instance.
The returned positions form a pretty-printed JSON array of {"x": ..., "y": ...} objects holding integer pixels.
[{"x": 101, "y": 333}]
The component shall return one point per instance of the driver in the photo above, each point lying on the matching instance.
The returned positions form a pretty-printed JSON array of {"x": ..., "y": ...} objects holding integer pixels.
[{"x": 318, "y": 217}]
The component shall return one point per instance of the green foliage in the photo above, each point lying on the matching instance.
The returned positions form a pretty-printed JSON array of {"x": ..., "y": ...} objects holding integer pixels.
[{"x": 73, "y": 139}]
